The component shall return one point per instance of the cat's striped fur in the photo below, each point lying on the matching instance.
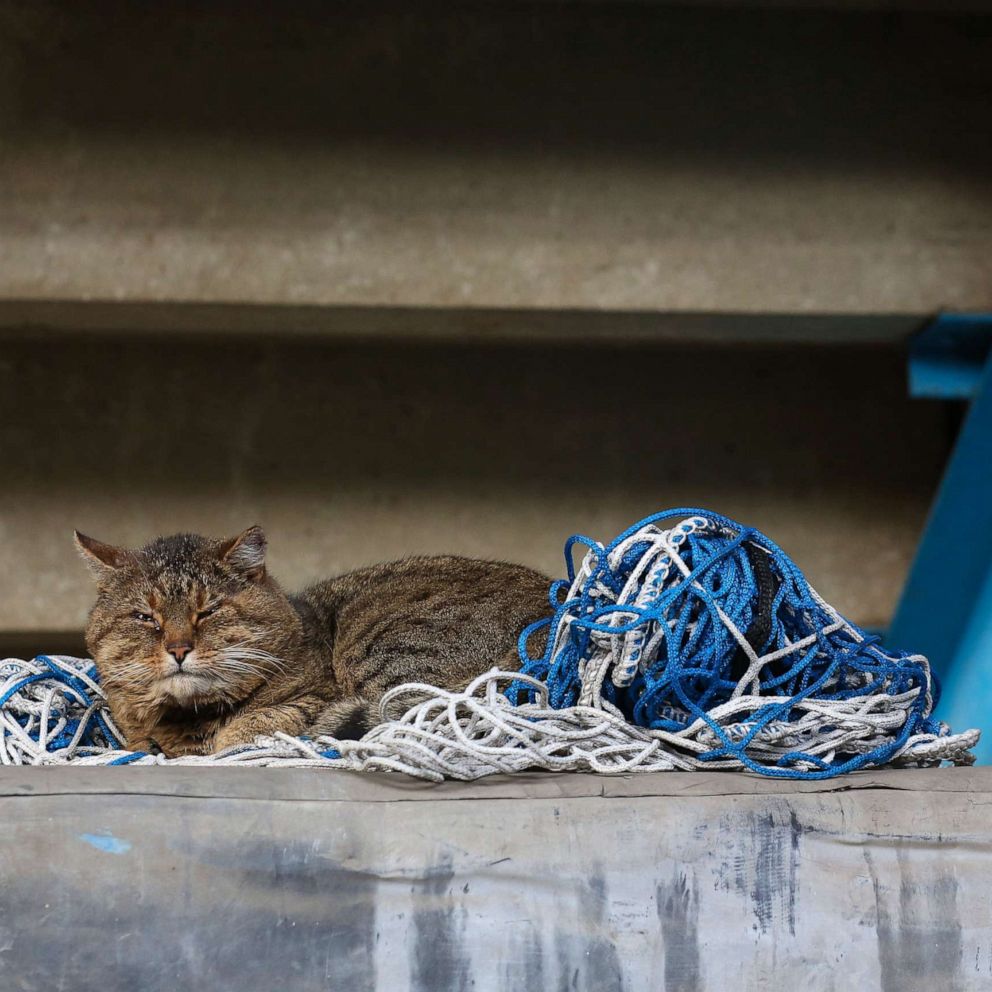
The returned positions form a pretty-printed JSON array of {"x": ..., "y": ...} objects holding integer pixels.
[{"x": 199, "y": 648}]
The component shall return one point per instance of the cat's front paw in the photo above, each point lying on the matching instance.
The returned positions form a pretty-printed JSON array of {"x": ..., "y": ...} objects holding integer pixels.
[{"x": 233, "y": 736}]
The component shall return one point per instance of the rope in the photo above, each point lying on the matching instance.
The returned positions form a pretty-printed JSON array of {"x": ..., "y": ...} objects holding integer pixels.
[
  {"x": 699, "y": 645},
  {"x": 707, "y": 634}
]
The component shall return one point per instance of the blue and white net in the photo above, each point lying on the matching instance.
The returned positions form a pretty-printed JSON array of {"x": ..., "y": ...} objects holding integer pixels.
[{"x": 689, "y": 642}]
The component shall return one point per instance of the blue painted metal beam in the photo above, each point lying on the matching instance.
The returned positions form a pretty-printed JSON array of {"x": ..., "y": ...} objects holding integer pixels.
[
  {"x": 948, "y": 355},
  {"x": 946, "y": 607}
]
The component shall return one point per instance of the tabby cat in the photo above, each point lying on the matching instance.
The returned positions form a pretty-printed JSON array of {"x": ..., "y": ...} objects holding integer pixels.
[{"x": 198, "y": 647}]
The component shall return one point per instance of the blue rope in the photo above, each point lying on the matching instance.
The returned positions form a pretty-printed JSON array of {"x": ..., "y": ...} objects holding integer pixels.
[{"x": 692, "y": 672}]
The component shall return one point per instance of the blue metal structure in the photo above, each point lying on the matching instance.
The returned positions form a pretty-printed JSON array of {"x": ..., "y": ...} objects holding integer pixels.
[{"x": 946, "y": 606}]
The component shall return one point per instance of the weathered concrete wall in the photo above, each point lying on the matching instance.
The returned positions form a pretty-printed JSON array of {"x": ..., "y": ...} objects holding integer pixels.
[
  {"x": 475, "y": 172},
  {"x": 157, "y": 879},
  {"x": 618, "y": 156},
  {"x": 349, "y": 453}
]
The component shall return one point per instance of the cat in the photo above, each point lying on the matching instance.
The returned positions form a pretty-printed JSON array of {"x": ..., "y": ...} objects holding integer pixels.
[{"x": 198, "y": 648}]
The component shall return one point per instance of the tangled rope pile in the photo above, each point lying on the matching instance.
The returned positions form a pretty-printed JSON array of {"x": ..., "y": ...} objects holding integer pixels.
[
  {"x": 699, "y": 645},
  {"x": 52, "y": 710},
  {"x": 708, "y": 635}
]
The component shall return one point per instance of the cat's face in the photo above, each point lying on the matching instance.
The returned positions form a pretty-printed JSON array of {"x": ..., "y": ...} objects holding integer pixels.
[{"x": 187, "y": 620}]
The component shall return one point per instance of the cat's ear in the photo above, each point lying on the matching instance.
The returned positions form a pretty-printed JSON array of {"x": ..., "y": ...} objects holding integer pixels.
[
  {"x": 246, "y": 553},
  {"x": 101, "y": 558}
]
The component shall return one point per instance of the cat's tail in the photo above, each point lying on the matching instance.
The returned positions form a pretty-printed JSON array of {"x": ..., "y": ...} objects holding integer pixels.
[{"x": 346, "y": 720}]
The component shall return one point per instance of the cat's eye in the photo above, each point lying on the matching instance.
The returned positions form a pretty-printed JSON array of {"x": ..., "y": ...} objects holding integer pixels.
[
  {"x": 144, "y": 617},
  {"x": 207, "y": 611}
]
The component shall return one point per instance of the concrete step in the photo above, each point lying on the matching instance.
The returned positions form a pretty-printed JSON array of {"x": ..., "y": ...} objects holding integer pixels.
[
  {"x": 617, "y": 157},
  {"x": 355, "y": 451}
]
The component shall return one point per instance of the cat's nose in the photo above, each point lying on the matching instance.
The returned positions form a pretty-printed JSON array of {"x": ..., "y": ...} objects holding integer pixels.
[{"x": 179, "y": 651}]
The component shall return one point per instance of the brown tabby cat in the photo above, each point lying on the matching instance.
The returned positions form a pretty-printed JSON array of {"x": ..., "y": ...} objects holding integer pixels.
[{"x": 198, "y": 647}]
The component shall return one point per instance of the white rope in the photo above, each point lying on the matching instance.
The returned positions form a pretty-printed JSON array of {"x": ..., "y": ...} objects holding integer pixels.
[{"x": 471, "y": 734}]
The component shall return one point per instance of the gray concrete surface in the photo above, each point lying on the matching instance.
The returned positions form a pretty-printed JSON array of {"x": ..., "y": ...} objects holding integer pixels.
[
  {"x": 592, "y": 156},
  {"x": 257, "y": 879},
  {"x": 53, "y": 320},
  {"x": 350, "y": 453}
]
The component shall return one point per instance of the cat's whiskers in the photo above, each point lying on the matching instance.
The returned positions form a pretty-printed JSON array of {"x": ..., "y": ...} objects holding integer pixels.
[
  {"x": 132, "y": 674},
  {"x": 238, "y": 668},
  {"x": 243, "y": 653}
]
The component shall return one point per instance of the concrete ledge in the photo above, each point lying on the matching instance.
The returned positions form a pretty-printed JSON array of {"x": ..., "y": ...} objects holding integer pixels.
[
  {"x": 308, "y": 785},
  {"x": 41, "y": 319},
  {"x": 252, "y": 879}
]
